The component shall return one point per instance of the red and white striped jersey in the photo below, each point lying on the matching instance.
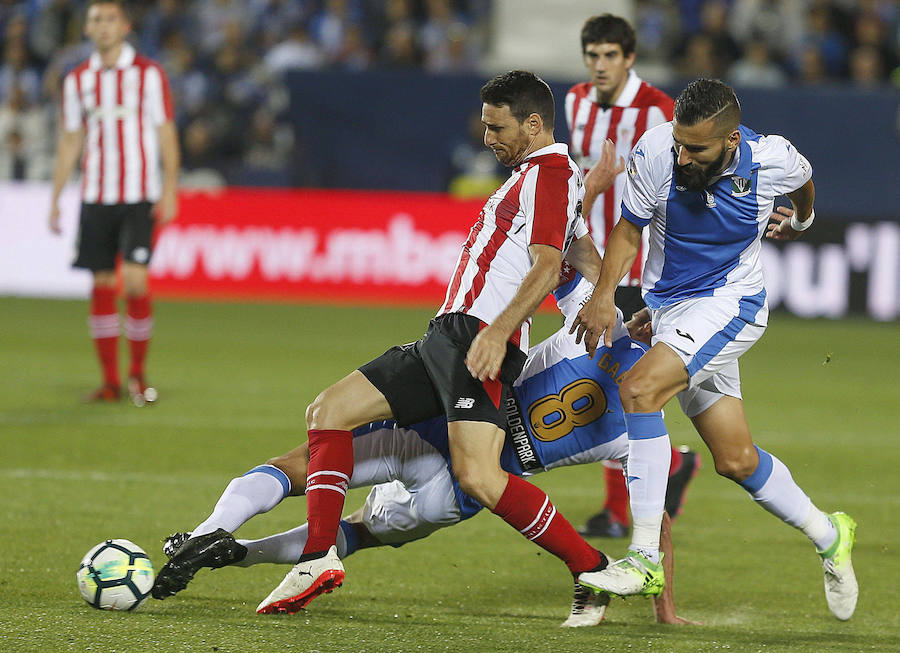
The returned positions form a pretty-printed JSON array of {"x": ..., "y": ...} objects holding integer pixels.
[
  {"x": 538, "y": 205},
  {"x": 120, "y": 109},
  {"x": 639, "y": 107}
]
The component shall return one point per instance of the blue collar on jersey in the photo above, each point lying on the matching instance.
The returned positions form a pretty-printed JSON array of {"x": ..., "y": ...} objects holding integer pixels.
[{"x": 745, "y": 162}]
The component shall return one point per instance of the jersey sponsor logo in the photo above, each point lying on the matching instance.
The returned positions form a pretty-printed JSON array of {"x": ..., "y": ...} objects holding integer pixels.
[
  {"x": 579, "y": 403},
  {"x": 111, "y": 113},
  {"x": 740, "y": 187},
  {"x": 518, "y": 434},
  {"x": 464, "y": 402}
]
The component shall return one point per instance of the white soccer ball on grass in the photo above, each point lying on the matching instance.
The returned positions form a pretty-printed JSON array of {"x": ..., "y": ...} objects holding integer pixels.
[{"x": 115, "y": 575}]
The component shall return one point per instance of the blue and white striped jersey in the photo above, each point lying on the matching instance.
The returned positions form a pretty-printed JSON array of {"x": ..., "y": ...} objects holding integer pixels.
[
  {"x": 566, "y": 408},
  {"x": 708, "y": 242}
]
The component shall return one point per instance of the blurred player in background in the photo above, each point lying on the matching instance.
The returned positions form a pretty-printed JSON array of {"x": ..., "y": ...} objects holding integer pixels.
[
  {"x": 618, "y": 106},
  {"x": 117, "y": 108},
  {"x": 564, "y": 410},
  {"x": 705, "y": 185}
]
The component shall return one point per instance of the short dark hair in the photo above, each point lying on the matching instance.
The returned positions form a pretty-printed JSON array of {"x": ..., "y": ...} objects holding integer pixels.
[
  {"x": 607, "y": 28},
  {"x": 524, "y": 93},
  {"x": 119, "y": 3},
  {"x": 708, "y": 98}
]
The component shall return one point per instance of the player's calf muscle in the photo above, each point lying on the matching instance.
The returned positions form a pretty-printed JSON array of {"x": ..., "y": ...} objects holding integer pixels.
[{"x": 294, "y": 464}]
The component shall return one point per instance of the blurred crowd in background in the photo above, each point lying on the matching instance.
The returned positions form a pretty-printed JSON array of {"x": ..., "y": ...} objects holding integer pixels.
[{"x": 226, "y": 60}]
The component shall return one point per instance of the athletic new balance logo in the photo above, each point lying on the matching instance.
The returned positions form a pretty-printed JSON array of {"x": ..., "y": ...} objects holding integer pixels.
[
  {"x": 684, "y": 335},
  {"x": 464, "y": 402}
]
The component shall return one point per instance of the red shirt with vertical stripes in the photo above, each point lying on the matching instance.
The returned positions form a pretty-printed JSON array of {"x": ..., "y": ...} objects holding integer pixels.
[
  {"x": 639, "y": 107},
  {"x": 538, "y": 205},
  {"x": 120, "y": 109}
]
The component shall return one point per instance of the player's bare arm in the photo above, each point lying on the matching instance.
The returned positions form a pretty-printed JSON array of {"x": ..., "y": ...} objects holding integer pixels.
[
  {"x": 598, "y": 317},
  {"x": 488, "y": 350},
  {"x": 167, "y": 207},
  {"x": 584, "y": 257},
  {"x": 601, "y": 176},
  {"x": 67, "y": 153},
  {"x": 802, "y": 200}
]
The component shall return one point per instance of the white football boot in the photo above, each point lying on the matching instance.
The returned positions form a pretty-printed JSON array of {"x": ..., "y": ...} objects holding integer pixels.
[{"x": 303, "y": 583}]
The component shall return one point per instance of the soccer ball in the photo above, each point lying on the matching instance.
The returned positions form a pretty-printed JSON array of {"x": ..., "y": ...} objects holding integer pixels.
[{"x": 115, "y": 575}]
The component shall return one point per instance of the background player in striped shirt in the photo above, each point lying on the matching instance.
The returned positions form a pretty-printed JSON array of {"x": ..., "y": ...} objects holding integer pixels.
[
  {"x": 616, "y": 106},
  {"x": 705, "y": 185},
  {"x": 117, "y": 108}
]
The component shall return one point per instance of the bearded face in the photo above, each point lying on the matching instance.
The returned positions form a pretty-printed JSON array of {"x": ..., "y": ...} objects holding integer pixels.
[{"x": 696, "y": 176}]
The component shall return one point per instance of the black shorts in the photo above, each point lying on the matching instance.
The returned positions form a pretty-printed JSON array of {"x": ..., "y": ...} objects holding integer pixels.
[
  {"x": 429, "y": 377},
  {"x": 106, "y": 230},
  {"x": 629, "y": 300}
]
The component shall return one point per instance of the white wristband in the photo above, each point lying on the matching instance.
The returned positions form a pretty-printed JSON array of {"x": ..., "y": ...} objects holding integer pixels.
[{"x": 796, "y": 225}]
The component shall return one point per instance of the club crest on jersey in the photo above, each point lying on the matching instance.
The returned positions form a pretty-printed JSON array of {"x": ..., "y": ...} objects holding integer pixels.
[
  {"x": 740, "y": 187},
  {"x": 710, "y": 200},
  {"x": 632, "y": 168}
]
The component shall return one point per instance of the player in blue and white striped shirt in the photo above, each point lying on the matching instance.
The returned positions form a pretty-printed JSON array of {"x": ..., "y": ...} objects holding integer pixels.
[{"x": 705, "y": 186}]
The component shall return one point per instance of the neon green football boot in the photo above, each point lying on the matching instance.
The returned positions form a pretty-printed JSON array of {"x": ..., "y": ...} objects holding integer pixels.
[
  {"x": 841, "y": 588},
  {"x": 632, "y": 575}
]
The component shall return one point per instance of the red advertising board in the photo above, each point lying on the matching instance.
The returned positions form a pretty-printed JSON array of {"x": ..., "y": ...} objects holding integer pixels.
[{"x": 312, "y": 245}]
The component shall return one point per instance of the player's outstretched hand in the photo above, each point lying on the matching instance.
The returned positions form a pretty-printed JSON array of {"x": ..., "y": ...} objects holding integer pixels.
[
  {"x": 486, "y": 354},
  {"x": 603, "y": 173},
  {"x": 595, "y": 319},
  {"x": 780, "y": 226}
]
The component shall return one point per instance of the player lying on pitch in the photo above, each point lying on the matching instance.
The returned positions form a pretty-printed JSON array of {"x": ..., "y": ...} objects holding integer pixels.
[{"x": 566, "y": 411}]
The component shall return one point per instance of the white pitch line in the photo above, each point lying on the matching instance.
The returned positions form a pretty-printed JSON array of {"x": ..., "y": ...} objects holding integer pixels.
[{"x": 111, "y": 477}]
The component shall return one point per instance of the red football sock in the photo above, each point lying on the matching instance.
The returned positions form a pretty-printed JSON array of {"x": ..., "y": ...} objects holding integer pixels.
[
  {"x": 526, "y": 508},
  {"x": 104, "y": 327},
  {"x": 327, "y": 480},
  {"x": 616, "y": 492},
  {"x": 676, "y": 461},
  {"x": 138, "y": 331}
]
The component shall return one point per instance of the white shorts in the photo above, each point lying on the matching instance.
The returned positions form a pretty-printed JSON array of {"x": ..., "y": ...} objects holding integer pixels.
[
  {"x": 709, "y": 334},
  {"x": 414, "y": 491}
]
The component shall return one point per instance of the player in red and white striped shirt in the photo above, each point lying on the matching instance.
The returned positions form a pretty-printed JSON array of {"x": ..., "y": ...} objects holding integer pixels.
[
  {"x": 616, "y": 105},
  {"x": 117, "y": 108},
  {"x": 473, "y": 350}
]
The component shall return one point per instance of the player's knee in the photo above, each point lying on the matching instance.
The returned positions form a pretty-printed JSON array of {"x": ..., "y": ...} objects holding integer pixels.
[
  {"x": 634, "y": 390},
  {"x": 737, "y": 465},
  {"x": 478, "y": 482},
  {"x": 468, "y": 478},
  {"x": 321, "y": 415}
]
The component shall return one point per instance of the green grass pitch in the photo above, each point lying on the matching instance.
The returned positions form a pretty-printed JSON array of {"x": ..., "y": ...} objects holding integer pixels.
[{"x": 234, "y": 381}]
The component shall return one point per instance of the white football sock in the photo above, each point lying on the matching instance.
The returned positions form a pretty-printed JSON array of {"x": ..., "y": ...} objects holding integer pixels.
[
  {"x": 257, "y": 491},
  {"x": 772, "y": 487},
  {"x": 286, "y": 547},
  {"x": 649, "y": 455}
]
